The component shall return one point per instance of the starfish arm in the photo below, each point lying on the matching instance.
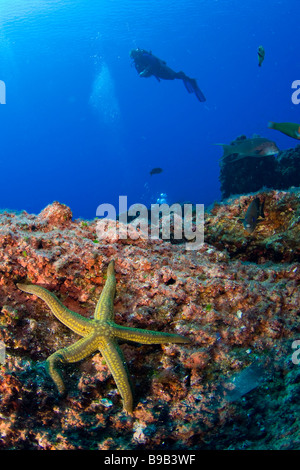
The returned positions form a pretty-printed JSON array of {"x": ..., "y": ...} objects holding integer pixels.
[
  {"x": 105, "y": 306},
  {"x": 100, "y": 333},
  {"x": 113, "y": 355},
  {"x": 140, "y": 335},
  {"x": 73, "y": 353},
  {"x": 72, "y": 320}
]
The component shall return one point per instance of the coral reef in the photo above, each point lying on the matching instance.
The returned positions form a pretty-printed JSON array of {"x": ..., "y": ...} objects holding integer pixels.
[
  {"x": 239, "y": 307},
  {"x": 251, "y": 174},
  {"x": 276, "y": 237}
]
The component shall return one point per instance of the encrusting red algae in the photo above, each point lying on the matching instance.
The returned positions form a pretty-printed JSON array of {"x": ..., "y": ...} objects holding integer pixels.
[{"x": 236, "y": 299}]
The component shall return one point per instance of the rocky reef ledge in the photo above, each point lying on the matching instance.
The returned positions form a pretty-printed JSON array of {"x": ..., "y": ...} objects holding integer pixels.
[
  {"x": 250, "y": 174},
  {"x": 235, "y": 386}
]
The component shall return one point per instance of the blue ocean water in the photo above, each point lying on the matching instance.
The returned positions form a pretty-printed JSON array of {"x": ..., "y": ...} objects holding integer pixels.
[{"x": 81, "y": 127}]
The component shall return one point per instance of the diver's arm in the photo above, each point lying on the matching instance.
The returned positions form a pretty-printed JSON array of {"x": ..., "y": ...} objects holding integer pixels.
[{"x": 146, "y": 72}]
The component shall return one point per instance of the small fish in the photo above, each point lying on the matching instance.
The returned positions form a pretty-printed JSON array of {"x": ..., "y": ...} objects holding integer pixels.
[
  {"x": 261, "y": 55},
  {"x": 244, "y": 381},
  {"x": 255, "y": 147},
  {"x": 254, "y": 210},
  {"x": 289, "y": 128},
  {"x": 156, "y": 171}
]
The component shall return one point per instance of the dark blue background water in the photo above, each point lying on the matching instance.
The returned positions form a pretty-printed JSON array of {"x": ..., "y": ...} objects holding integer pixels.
[{"x": 81, "y": 127}]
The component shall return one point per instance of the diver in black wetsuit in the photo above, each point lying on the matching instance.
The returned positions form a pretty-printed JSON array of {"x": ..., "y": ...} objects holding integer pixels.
[{"x": 148, "y": 64}]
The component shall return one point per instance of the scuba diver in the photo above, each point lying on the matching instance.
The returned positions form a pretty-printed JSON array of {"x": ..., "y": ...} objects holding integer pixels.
[{"x": 148, "y": 64}]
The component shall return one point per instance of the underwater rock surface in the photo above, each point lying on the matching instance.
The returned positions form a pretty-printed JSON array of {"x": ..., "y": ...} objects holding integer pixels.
[
  {"x": 251, "y": 174},
  {"x": 276, "y": 237},
  {"x": 237, "y": 298}
]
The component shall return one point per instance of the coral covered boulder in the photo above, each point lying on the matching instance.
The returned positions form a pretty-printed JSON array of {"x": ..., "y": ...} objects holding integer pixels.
[
  {"x": 235, "y": 386},
  {"x": 276, "y": 236}
]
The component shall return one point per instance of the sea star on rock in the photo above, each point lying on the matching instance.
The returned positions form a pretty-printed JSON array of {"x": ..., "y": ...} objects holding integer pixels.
[{"x": 99, "y": 334}]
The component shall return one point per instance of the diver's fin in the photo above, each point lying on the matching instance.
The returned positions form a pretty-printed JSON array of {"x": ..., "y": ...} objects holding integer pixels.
[
  {"x": 192, "y": 87},
  {"x": 188, "y": 86}
]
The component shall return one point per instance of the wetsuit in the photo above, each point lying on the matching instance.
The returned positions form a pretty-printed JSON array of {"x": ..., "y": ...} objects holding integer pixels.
[{"x": 148, "y": 64}]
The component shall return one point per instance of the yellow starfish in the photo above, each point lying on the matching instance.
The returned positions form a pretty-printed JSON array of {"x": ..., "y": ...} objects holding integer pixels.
[{"x": 99, "y": 334}]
